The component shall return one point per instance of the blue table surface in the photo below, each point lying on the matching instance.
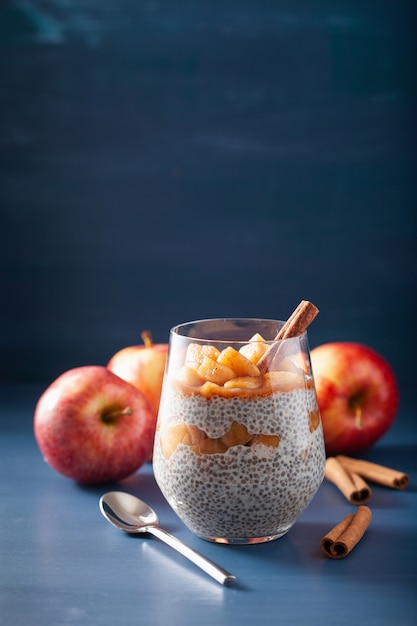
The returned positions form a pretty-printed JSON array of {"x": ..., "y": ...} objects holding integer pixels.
[{"x": 63, "y": 563}]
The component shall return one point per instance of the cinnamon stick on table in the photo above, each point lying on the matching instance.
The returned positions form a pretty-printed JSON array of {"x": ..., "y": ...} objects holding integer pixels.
[
  {"x": 353, "y": 487},
  {"x": 295, "y": 325},
  {"x": 341, "y": 540},
  {"x": 375, "y": 473}
]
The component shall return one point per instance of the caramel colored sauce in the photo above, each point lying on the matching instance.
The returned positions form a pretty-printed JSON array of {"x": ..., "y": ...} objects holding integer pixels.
[{"x": 268, "y": 384}]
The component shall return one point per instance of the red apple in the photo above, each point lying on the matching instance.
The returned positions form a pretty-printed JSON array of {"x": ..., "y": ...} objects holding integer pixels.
[
  {"x": 92, "y": 426},
  {"x": 357, "y": 394},
  {"x": 143, "y": 366}
]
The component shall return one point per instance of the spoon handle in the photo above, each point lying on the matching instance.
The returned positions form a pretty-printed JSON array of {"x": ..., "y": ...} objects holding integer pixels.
[{"x": 217, "y": 572}]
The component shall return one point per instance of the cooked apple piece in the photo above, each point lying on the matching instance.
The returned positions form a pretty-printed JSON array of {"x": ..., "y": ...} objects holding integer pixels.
[
  {"x": 244, "y": 382},
  {"x": 209, "y": 446},
  {"x": 314, "y": 420},
  {"x": 255, "y": 348},
  {"x": 284, "y": 381},
  {"x": 266, "y": 440},
  {"x": 173, "y": 435},
  {"x": 241, "y": 366},
  {"x": 237, "y": 435},
  {"x": 293, "y": 363},
  {"x": 214, "y": 372},
  {"x": 194, "y": 435},
  {"x": 189, "y": 376},
  {"x": 196, "y": 352},
  {"x": 289, "y": 365},
  {"x": 170, "y": 438},
  {"x": 301, "y": 361},
  {"x": 211, "y": 389}
]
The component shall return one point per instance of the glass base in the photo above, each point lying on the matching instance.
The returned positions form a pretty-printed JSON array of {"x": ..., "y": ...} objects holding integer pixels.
[{"x": 239, "y": 541}]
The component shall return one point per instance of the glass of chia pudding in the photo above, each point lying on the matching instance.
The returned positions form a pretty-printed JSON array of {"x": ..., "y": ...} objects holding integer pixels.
[{"x": 239, "y": 450}]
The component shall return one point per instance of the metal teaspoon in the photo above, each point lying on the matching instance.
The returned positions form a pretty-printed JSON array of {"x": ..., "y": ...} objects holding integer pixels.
[{"x": 132, "y": 515}]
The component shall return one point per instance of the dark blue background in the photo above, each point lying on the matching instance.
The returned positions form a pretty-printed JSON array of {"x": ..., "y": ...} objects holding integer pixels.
[{"x": 163, "y": 161}]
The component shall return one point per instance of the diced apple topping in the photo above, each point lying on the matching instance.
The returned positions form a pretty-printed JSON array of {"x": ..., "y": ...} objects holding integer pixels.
[
  {"x": 237, "y": 362},
  {"x": 244, "y": 382},
  {"x": 195, "y": 354},
  {"x": 255, "y": 348},
  {"x": 294, "y": 363},
  {"x": 284, "y": 381},
  {"x": 214, "y": 371},
  {"x": 189, "y": 376},
  {"x": 210, "y": 389},
  {"x": 209, "y": 371}
]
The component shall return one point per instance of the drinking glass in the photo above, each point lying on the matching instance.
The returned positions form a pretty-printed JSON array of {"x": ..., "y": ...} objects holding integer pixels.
[{"x": 239, "y": 450}]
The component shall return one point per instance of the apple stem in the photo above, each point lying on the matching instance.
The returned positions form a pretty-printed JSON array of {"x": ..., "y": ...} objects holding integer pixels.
[
  {"x": 113, "y": 414},
  {"x": 147, "y": 338},
  {"x": 358, "y": 417}
]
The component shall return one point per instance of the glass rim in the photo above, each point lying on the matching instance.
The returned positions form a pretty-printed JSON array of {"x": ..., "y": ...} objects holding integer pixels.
[{"x": 176, "y": 330}]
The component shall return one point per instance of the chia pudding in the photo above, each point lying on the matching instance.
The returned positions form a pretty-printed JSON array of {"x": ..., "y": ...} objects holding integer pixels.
[{"x": 239, "y": 462}]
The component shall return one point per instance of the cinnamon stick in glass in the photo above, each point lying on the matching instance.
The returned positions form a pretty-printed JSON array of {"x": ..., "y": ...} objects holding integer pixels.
[
  {"x": 295, "y": 325},
  {"x": 353, "y": 487},
  {"x": 341, "y": 540},
  {"x": 375, "y": 473}
]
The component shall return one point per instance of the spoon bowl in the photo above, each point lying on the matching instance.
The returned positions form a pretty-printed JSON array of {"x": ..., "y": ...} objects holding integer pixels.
[
  {"x": 132, "y": 515},
  {"x": 127, "y": 512}
]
